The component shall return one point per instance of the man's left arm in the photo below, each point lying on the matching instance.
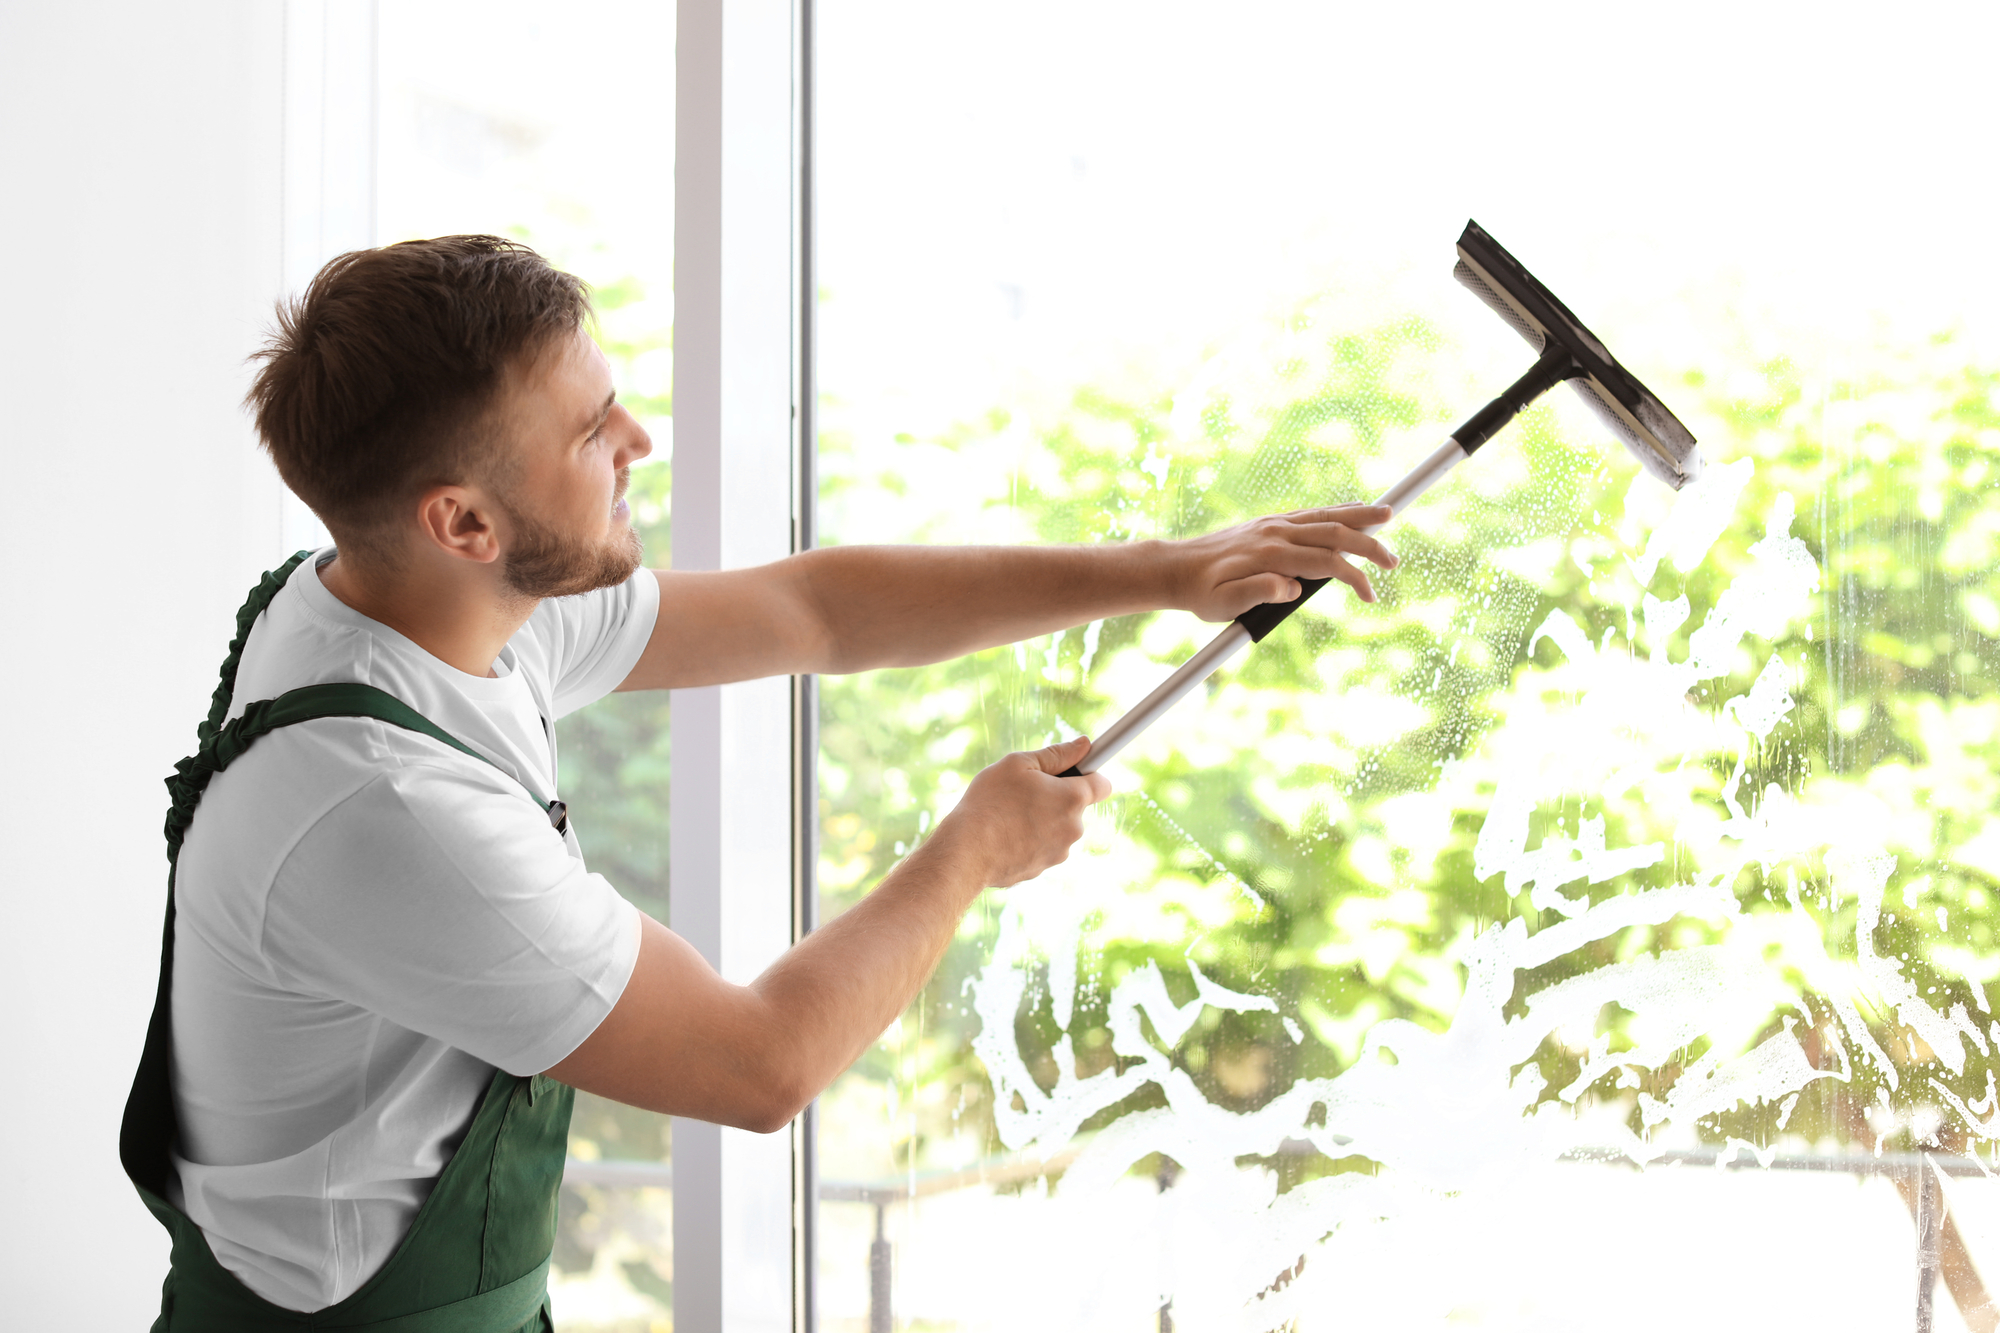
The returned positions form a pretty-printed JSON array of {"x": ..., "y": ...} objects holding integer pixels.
[{"x": 856, "y": 608}]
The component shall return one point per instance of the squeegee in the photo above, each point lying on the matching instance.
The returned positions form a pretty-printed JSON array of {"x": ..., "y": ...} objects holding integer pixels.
[{"x": 1566, "y": 352}]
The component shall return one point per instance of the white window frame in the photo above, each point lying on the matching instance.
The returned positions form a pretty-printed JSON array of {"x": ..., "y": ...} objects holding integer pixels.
[
  {"x": 743, "y": 455},
  {"x": 743, "y": 460}
]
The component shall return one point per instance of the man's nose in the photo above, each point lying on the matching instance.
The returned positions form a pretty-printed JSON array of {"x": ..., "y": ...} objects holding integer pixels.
[{"x": 633, "y": 441}]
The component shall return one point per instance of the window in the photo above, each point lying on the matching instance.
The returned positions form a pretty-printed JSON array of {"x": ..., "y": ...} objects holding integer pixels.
[
  {"x": 554, "y": 125},
  {"x": 1605, "y": 919}
]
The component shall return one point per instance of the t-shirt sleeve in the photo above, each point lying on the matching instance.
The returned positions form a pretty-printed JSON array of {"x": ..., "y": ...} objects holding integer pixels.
[
  {"x": 439, "y": 898},
  {"x": 589, "y": 643}
]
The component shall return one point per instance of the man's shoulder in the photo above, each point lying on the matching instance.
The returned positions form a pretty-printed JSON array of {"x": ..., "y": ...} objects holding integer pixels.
[
  {"x": 305, "y": 637},
  {"x": 584, "y": 646},
  {"x": 572, "y": 622},
  {"x": 308, "y": 637}
]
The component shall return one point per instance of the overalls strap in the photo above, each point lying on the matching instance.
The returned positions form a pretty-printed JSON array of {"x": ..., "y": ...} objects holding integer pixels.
[
  {"x": 308, "y": 703},
  {"x": 476, "y": 1257}
]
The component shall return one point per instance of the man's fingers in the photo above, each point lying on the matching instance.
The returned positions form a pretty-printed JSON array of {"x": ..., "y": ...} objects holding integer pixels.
[
  {"x": 1290, "y": 563},
  {"x": 1336, "y": 536},
  {"x": 1239, "y": 595},
  {"x": 1257, "y": 590},
  {"x": 1354, "y": 578},
  {"x": 1058, "y": 757},
  {"x": 1354, "y": 516},
  {"x": 1055, "y": 758},
  {"x": 1262, "y": 588},
  {"x": 1263, "y": 561}
]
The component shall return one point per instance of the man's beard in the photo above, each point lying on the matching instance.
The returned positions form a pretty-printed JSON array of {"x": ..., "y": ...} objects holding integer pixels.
[{"x": 547, "y": 562}]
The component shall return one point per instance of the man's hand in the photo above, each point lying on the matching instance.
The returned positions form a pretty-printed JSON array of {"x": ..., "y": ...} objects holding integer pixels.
[
  {"x": 1225, "y": 573},
  {"x": 683, "y": 1041},
  {"x": 1017, "y": 818}
]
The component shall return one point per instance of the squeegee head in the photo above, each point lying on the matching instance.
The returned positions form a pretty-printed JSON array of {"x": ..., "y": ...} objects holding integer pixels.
[{"x": 1655, "y": 436}]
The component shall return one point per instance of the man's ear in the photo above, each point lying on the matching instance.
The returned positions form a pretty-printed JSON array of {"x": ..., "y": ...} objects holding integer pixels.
[{"x": 460, "y": 521}]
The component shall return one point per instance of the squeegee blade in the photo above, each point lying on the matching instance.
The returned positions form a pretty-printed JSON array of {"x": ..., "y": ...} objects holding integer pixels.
[{"x": 1513, "y": 315}]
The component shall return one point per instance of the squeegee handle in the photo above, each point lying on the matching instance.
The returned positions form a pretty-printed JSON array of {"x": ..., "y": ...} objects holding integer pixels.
[
  {"x": 1251, "y": 626},
  {"x": 1555, "y": 365},
  {"x": 1154, "y": 706}
]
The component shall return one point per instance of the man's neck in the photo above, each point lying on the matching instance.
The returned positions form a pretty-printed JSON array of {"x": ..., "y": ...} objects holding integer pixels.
[{"x": 458, "y": 615}]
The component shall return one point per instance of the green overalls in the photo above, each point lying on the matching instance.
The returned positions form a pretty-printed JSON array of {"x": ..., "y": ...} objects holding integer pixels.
[{"x": 476, "y": 1259}]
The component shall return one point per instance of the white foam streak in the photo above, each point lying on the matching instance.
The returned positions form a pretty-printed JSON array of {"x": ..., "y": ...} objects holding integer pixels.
[
  {"x": 1443, "y": 1115},
  {"x": 1868, "y": 876},
  {"x": 1700, "y": 514}
]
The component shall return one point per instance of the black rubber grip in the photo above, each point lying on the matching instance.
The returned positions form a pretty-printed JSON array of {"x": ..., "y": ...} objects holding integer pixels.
[
  {"x": 1261, "y": 620},
  {"x": 1071, "y": 772}
]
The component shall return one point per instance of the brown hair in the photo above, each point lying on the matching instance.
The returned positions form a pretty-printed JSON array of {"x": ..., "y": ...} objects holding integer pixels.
[{"x": 375, "y": 383}]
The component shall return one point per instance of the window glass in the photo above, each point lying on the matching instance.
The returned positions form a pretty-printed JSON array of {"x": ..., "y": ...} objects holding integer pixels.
[
  {"x": 554, "y": 125},
  {"x": 1601, "y": 922}
]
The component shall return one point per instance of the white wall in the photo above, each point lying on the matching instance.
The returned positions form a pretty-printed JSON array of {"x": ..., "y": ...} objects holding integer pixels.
[{"x": 140, "y": 150}]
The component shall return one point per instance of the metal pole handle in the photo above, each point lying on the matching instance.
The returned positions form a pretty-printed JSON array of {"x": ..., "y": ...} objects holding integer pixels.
[{"x": 1251, "y": 626}]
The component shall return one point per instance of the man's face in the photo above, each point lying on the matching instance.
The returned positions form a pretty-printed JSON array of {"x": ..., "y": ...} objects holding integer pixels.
[{"x": 563, "y": 491}]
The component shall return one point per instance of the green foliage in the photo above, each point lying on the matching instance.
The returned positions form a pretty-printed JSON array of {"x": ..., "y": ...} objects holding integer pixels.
[{"x": 1309, "y": 833}]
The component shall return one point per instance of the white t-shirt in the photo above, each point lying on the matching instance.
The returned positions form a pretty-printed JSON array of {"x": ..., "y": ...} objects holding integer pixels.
[{"x": 370, "y": 922}]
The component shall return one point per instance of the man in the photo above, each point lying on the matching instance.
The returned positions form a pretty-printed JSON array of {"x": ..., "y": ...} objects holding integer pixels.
[{"x": 387, "y": 964}]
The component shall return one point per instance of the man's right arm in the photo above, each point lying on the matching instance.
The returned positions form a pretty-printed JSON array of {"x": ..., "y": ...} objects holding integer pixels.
[{"x": 683, "y": 1041}]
